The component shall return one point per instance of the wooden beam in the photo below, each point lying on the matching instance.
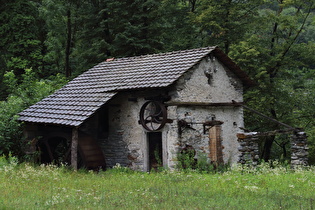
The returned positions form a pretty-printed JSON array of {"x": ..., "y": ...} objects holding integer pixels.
[
  {"x": 74, "y": 148},
  {"x": 265, "y": 116},
  {"x": 268, "y": 133},
  {"x": 180, "y": 103}
]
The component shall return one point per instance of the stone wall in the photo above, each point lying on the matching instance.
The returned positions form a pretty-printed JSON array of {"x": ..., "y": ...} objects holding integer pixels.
[
  {"x": 195, "y": 135},
  {"x": 249, "y": 147},
  {"x": 127, "y": 142},
  {"x": 210, "y": 81},
  {"x": 249, "y": 153},
  {"x": 299, "y": 149}
]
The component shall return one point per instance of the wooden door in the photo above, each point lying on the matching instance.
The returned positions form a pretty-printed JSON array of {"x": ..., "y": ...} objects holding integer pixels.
[{"x": 215, "y": 145}]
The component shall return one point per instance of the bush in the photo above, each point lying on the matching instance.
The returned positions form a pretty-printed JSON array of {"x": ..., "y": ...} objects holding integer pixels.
[
  {"x": 22, "y": 95},
  {"x": 9, "y": 161},
  {"x": 186, "y": 160},
  {"x": 201, "y": 164}
]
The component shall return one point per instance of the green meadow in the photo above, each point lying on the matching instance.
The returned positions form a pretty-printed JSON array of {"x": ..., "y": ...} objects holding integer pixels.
[{"x": 24, "y": 186}]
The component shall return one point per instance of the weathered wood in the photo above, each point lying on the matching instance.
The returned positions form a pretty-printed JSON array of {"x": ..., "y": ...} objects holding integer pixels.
[
  {"x": 215, "y": 145},
  {"x": 74, "y": 148},
  {"x": 262, "y": 115},
  {"x": 268, "y": 133},
  {"x": 180, "y": 103},
  {"x": 91, "y": 153}
]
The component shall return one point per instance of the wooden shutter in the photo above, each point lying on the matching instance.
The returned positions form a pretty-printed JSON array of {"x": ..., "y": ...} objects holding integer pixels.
[{"x": 215, "y": 145}]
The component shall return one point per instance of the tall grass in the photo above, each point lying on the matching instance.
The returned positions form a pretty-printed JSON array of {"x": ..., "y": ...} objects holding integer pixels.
[{"x": 49, "y": 187}]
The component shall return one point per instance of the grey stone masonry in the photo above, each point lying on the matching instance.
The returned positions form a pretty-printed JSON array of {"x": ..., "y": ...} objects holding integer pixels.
[
  {"x": 249, "y": 153},
  {"x": 299, "y": 149},
  {"x": 248, "y": 149}
]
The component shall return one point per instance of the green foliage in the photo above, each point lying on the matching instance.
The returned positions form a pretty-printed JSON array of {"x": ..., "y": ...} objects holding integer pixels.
[
  {"x": 187, "y": 163},
  {"x": 22, "y": 95},
  {"x": 186, "y": 160},
  {"x": 56, "y": 15},
  {"x": 179, "y": 32},
  {"x": 273, "y": 53},
  {"x": 225, "y": 22},
  {"x": 203, "y": 165},
  {"x": 9, "y": 161},
  {"x": 21, "y": 43},
  {"x": 135, "y": 27},
  {"x": 273, "y": 41}
]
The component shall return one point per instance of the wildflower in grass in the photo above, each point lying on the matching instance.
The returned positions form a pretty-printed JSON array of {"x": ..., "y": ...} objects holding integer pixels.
[
  {"x": 56, "y": 199},
  {"x": 117, "y": 166},
  {"x": 311, "y": 184},
  {"x": 251, "y": 188}
]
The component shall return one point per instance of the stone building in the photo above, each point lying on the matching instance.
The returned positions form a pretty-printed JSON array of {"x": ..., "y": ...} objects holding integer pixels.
[{"x": 143, "y": 111}]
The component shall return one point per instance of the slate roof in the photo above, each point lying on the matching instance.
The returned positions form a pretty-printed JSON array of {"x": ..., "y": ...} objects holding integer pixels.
[{"x": 84, "y": 95}]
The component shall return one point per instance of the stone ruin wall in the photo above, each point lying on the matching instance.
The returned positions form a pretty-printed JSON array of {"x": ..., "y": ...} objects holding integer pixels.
[{"x": 249, "y": 153}]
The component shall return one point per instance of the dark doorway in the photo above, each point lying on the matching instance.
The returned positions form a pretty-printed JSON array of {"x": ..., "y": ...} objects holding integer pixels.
[
  {"x": 103, "y": 123},
  {"x": 54, "y": 150},
  {"x": 155, "y": 150}
]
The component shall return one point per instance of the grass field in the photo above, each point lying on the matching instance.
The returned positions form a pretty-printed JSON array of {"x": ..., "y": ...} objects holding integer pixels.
[{"x": 48, "y": 187}]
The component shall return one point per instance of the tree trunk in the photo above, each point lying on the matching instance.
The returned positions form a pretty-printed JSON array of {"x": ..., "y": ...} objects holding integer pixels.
[
  {"x": 68, "y": 44},
  {"x": 267, "y": 148}
]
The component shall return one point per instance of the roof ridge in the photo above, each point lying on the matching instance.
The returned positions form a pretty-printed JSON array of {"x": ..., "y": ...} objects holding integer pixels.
[{"x": 210, "y": 48}]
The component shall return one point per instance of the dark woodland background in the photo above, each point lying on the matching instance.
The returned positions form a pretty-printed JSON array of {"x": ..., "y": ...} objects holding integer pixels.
[{"x": 45, "y": 43}]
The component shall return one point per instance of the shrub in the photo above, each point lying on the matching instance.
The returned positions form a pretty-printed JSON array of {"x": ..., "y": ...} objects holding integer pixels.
[
  {"x": 9, "y": 161},
  {"x": 29, "y": 91},
  {"x": 201, "y": 164},
  {"x": 186, "y": 160}
]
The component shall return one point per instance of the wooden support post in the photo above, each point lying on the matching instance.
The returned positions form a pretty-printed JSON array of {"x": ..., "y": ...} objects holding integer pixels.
[{"x": 74, "y": 148}]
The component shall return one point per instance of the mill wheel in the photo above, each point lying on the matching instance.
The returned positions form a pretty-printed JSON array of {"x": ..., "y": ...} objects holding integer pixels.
[{"x": 153, "y": 115}]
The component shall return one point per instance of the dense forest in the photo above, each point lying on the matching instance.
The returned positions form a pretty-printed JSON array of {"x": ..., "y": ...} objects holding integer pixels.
[{"x": 45, "y": 43}]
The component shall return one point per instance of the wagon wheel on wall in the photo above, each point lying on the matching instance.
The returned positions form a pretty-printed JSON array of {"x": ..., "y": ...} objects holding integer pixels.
[{"x": 153, "y": 115}]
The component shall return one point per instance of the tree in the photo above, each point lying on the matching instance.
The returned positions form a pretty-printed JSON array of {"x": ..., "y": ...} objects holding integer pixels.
[
  {"x": 92, "y": 35},
  {"x": 226, "y": 22},
  {"x": 179, "y": 32},
  {"x": 134, "y": 27},
  {"x": 59, "y": 20},
  {"x": 274, "y": 54},
  {"x": 22, "y": 37},
  {"x": 22, "y": 94}
]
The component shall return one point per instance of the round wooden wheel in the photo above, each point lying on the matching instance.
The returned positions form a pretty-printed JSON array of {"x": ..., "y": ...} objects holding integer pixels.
[{"x": 153, "y": 115}]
